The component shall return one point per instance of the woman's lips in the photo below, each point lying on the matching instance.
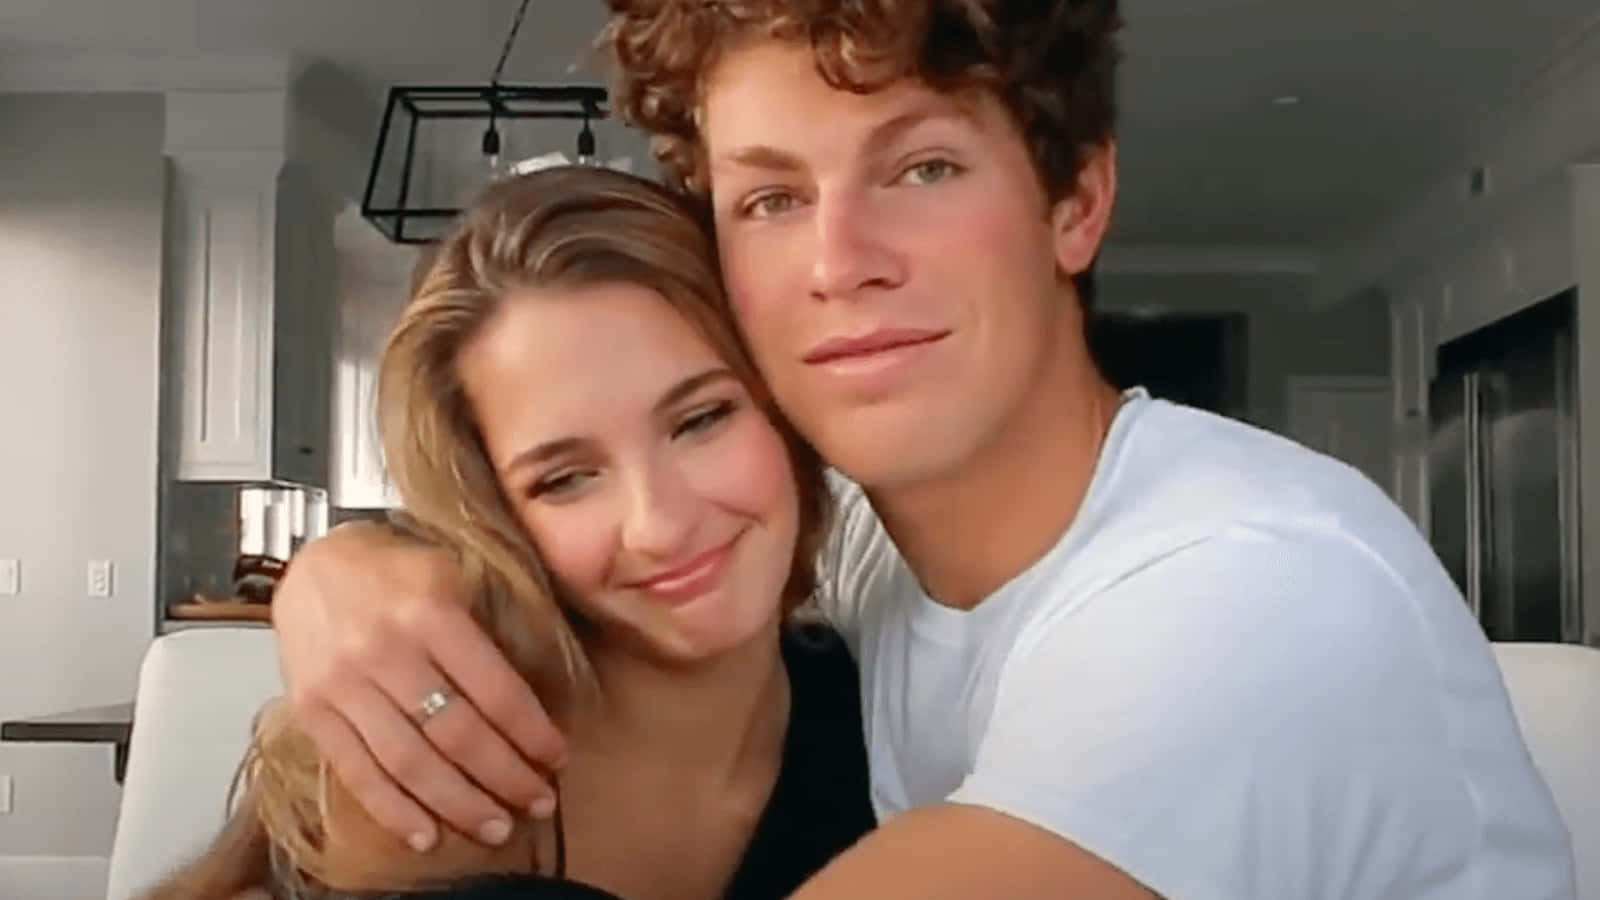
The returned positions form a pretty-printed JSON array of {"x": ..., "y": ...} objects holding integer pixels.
[{"x": 691, "y": 578}]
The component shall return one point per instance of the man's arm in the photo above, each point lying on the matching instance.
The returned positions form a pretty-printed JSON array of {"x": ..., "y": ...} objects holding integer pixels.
[{"x": 952, "y": 851}]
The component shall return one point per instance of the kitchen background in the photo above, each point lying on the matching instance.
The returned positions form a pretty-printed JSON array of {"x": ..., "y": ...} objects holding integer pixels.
[{"x": 1316, "y": 198}]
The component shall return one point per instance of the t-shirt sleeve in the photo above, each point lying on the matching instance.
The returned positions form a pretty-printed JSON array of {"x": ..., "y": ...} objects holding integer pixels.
[{"x": 1250, "y": 716}]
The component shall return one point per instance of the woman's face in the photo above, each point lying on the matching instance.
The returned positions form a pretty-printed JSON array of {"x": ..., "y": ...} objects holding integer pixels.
[{"x": 659, "y": 496}]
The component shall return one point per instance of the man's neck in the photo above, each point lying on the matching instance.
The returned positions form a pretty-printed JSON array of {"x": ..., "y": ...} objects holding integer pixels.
[
  {"x": 725, "y": 717},
  {"x": 966, "y": 535}
]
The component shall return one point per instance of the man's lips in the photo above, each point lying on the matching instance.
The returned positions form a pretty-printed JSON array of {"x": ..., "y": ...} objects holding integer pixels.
[{"x": 868, "y": 344}]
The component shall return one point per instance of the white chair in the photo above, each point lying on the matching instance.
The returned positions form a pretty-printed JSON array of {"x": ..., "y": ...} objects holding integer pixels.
[
  {"x": 199, "y": 691},
  {"x": 1555, "y": 692}
]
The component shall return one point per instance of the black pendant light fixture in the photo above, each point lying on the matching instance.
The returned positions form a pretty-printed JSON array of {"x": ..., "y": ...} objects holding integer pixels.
[{"x": 439, "y": 146}]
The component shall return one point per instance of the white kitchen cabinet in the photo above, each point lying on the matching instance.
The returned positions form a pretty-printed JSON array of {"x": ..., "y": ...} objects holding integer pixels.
[{"x": 249, "y": 257}]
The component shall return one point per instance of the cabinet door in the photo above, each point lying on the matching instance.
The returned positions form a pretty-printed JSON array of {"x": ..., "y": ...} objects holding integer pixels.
[
  {"x": 220, "y": 251},
  {"x": 303, "y": 336}
]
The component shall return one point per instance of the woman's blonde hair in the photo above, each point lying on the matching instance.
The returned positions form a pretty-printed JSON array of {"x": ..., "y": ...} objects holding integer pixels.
[{"x": 565, "y": 228}]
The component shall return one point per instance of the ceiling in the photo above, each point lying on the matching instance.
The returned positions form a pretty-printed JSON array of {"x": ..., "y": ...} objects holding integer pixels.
[{"x": 1388, "y": 89}]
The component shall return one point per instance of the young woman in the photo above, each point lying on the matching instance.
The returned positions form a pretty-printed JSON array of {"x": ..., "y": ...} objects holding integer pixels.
[{"x": 567, "y": 409}]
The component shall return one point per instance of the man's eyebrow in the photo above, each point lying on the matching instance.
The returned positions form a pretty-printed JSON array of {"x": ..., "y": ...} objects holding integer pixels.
[
  {"x": 764, "y": 156},
  {"x": 893, "y": 128}
]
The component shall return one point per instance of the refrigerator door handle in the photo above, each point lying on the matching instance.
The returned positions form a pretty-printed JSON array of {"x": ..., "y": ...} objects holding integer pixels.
[
  {"x": 1472, "y": 442},
  {"x": 1567, "y": 508}
]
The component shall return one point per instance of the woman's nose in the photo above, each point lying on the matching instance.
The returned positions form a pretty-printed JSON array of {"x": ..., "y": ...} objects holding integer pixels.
[{"x": 660, "y": 513}]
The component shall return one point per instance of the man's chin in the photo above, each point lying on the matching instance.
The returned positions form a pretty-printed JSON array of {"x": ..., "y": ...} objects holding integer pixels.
[{"x": 881, "y": 458}]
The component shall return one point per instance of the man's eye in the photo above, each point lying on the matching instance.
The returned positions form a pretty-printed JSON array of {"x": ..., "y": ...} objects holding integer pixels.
[
  {"x": 929, "y": 172},
  {"x": 769, "y": 204}
]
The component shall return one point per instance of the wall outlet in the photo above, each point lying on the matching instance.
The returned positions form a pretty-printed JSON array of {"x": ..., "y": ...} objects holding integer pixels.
[
  {"x": 5, "y": 795},
  {"x": 100, "y": 578},
  {"x": 10, "y": 577}
]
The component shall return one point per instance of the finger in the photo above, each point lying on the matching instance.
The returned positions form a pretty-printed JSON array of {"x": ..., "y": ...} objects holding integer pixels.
[
  {"x": 358, "y": 770},
  {"x": 468, "y": 740},
  {"x": 418, "y": 766},
  {"x": 482, "y": 673}
]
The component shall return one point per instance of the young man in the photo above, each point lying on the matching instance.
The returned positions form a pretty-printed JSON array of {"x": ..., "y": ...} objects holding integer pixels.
[{"x": 1110, "y": 647}]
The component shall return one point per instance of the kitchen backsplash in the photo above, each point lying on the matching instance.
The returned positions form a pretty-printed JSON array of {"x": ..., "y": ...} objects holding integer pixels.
[{"x": 198, "y": 540}]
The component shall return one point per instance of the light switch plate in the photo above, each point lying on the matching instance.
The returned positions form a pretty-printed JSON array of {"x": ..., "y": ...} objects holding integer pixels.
[
  {"x": 10, "y": 577},
  {"x": 99, "y": 577}
]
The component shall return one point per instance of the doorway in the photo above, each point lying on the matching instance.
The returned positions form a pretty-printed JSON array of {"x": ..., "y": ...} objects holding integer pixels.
[{"x": 1347, "y": 417}]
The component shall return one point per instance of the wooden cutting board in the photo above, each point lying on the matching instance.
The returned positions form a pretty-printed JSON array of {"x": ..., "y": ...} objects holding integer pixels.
[{"x": 221, "y": 611}]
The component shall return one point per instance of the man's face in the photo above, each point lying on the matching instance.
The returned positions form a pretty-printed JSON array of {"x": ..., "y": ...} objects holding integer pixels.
[{"x": 895, "y": 265}]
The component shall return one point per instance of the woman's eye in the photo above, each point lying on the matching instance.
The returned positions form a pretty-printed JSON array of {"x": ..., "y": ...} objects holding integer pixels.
[
  {"x": 703, "y": 419},
  {"x": 561, "y": 484},
  {"x": 767, "y": 205},
  {"x": 929, "y": 171}
]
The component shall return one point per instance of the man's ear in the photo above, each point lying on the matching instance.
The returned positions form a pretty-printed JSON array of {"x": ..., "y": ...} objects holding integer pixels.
[{"x": 1080, "y": 219}]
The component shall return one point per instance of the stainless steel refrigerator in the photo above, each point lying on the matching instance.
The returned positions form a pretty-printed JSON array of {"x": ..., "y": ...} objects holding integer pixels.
[{"x": 1503, "y": 472}]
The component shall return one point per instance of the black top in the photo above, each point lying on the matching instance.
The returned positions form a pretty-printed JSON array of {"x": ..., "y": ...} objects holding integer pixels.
[{"x": 819, "y": 804}]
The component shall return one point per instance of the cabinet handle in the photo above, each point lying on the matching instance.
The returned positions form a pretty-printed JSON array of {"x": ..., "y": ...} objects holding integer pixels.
[{"x": 307, "y": 451}]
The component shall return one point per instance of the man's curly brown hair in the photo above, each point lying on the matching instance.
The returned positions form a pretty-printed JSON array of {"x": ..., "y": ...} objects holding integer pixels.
[{"x": 1052, "y": 63}]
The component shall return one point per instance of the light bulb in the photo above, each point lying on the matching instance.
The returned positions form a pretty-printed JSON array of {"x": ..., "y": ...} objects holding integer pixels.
[
  {"x": 491, "y": 153},
  {"x": 586, "y": 149}
]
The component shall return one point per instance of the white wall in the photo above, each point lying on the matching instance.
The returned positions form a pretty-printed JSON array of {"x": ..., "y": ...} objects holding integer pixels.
[{"x": 80, "y": 249}]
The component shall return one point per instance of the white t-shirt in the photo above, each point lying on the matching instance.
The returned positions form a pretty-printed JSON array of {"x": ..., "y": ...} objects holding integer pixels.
[{"x": 1241, "y": 673}]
